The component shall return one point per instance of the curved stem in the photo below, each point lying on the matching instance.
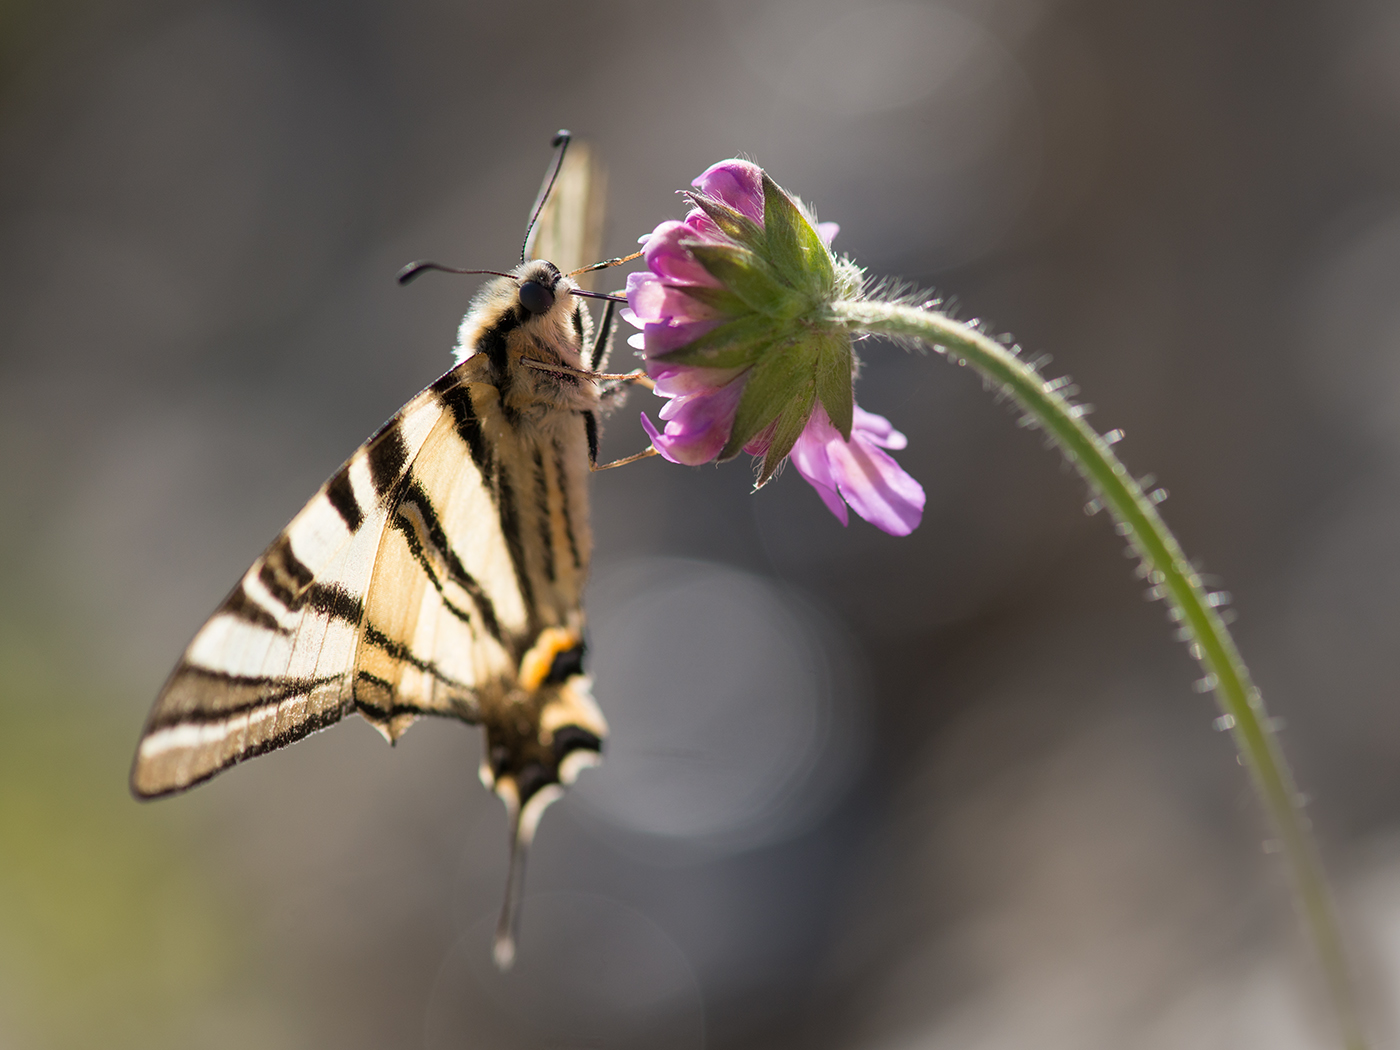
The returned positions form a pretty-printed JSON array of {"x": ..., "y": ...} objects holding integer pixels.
[{"x": 1173, "y": 578}]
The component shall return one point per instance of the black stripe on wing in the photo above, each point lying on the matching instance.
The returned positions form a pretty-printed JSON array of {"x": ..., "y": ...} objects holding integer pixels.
[
  {"x": 342, "y": 496},
  {"x": 415, "y": 496},
  {"x": 242, "y": 694},
  {"x": 456, "y": 397},
  {"x": 562, "y": 475},
  {"x": 242, "y": 607},
  {"x": 544, "y": 520}
]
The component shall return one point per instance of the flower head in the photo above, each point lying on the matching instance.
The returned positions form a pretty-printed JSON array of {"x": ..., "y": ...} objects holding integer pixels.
[{"x": 738, "y": 336}]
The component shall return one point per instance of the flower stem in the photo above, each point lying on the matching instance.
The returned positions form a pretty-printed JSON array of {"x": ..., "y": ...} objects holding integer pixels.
[{"x": 1172, "y": 577}]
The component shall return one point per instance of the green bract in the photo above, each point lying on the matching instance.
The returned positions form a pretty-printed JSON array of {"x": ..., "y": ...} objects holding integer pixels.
[{"x": 777, "y": 281}]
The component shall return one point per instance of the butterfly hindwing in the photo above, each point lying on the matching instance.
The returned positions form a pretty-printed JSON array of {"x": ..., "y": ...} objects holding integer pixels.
[
  {"x": 275, "y": 661},
  {"x": 443, "y": 612}
]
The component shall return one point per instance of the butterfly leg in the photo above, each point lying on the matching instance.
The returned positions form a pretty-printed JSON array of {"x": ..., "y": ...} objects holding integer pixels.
[{"x": 623, "y": 461}]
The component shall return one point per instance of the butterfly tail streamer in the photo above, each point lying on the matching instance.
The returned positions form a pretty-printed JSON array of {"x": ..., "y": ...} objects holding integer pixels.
[{"x": 507, "y": 928}]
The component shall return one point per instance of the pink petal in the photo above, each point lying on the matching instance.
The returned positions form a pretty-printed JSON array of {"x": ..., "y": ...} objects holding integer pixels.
[
  {"x": 877, "y": 430},
  {"x": 654, "y": 302},
  {"x": 681, "y": 380},
  {"x": 810, "y": 458},
  {"x": 702, "y": 224},
  {"x": 827, "y": 231},
  {"x": 663, "y": 338},
  {"x": 670, "y": 260},
  {"x": 736, "y": 182},
  {"x": 868, "y": 479},
  {"x": 876, "y": 487},
  {"x": 697, "y": 425}
]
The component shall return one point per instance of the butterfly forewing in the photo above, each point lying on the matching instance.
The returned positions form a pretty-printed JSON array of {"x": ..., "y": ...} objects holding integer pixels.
[
  {"x": 273, "y": 663},
  {"x": 444, "y": 614}
]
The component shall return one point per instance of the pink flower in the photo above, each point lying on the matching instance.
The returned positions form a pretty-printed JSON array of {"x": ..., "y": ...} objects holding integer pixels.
[{"x": 734, "y": 292}]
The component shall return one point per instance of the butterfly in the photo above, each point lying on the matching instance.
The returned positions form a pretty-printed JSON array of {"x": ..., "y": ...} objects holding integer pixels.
[{"x": 440, "y": 570}]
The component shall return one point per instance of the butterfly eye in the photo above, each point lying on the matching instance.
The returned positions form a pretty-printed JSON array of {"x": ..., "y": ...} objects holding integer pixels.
[{"x": 535, "y": 297}]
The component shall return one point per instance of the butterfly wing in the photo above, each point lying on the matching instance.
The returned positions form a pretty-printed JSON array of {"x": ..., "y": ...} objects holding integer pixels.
[
  {"x": 343, "y": 611},
  {"x": 445, "y": 613},
  {"x": 569, "y": 230}
]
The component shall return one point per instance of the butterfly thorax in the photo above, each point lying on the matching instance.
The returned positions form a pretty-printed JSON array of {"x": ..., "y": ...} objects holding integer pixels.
[{"x": 516, "y": 340}]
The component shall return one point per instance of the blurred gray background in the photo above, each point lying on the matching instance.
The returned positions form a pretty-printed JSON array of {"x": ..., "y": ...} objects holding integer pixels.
[{"x": 947, "y": 791}]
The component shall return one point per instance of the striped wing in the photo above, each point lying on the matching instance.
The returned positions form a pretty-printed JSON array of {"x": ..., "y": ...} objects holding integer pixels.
[{"x": 392, "y": 592}]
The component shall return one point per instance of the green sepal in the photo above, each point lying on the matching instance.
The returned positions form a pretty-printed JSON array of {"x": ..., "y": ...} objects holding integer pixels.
[
  {"x": 779, "y": 377},
  {"x": 788, "y": 429},
  {"x": 795, "y": 249},
  {"x": 747, "y": 276},
  {"x": 731, "y": 222},
  {"x": 722, "y": 300},
  {"x": 834, "y": 367},
  {"x": 732, "y": 345}
]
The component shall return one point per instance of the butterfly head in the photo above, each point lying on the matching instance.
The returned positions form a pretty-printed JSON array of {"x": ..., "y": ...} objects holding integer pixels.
[{"x": 537, "y": 282}]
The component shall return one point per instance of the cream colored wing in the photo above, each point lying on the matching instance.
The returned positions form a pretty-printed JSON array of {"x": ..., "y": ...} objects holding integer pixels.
[{"x": 362, "y": 602}]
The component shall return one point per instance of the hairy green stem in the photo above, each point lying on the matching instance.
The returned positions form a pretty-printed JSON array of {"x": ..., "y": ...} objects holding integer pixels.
[{"x": 1172, "y": 577}]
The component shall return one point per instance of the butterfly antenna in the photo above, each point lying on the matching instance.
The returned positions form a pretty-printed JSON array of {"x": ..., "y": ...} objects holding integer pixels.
[
  {"x": 561, "y": 143},
  {"x": 413, "y": 269},
  {"x": 604, "y": 264},
  {"x": 504, "y": 950}
]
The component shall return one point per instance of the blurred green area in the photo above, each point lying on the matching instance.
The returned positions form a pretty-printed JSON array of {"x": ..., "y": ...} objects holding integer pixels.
[
  {"x": 110, "y": 933},
  {"x": 24, "y": 24}
]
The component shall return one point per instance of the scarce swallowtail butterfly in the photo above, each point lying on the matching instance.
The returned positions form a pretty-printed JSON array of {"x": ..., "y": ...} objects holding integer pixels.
[{"x": 440, "y": 571}]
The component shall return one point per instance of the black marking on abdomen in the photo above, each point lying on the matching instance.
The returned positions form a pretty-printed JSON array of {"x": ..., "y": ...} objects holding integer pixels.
[
  {"x": 387, "y": 456},
  {"x": 283, "y": 573},
  {"x": 574, "y": 738},
  {"x": 342, "y": 496},
  {"x": 565, "y": 664},
  {"x": 531, "y": 778},
  {"x": 546, "y": 525}
]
